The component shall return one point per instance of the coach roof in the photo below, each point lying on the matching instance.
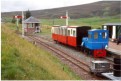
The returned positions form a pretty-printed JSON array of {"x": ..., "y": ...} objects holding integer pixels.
[{"x": 112, "y": 23}]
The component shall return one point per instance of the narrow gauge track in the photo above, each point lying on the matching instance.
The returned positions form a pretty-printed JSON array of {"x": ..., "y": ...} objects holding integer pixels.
[
  {"x": 83, "y": 67},
  {"x": 106, "y": 58}
]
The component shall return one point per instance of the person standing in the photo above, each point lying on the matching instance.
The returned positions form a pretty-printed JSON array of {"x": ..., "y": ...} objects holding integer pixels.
[{"x": 119, "y": 39}]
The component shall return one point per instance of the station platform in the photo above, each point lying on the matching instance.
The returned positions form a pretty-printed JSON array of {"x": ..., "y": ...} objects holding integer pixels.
[
  {"x": 111, "y": 76},
  {"x": 114, "y": 48}
]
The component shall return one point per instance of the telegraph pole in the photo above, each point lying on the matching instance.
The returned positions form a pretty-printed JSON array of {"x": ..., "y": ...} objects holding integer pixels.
[
  {"x": 66, "y": 17},
  {"x": 17, "y": 23},
  {"x": 22, "y": 24}
]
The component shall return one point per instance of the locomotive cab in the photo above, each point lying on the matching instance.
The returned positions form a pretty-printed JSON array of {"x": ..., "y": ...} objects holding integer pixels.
[
  {"x": 97, "y": 37},
  {"x": 98, "y": 67}
]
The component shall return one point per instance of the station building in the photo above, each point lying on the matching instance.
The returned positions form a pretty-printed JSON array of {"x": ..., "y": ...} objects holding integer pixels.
[
  {"x": 114, "y": 30},
  {"x": 31, "y": 25}
]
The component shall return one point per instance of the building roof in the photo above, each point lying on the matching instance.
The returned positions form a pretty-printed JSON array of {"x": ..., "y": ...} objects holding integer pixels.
[
  {"x": 112, "y": 23},
  {"x": 31, "y": 20}
]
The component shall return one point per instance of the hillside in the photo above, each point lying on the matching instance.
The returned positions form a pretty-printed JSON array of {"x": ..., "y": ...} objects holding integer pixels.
[
  {"x": 101, "y": 8},
  {"x": 21, "y": 60},
  {"x": 94, "y": 22}
]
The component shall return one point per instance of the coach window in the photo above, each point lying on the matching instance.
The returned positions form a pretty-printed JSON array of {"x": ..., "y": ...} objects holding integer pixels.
[
  {"x": 58, "y": 31},
  {"x": 104, "y": 35},
  {"x": 54, "y": 30},
  {"x": 68, "y": 32},
  {"x": 95, "y": 35},
  {"x": 64, "y": 31},
  {"x": 74, "y": 33},
  {"x": 71, "y": 31},
  {"x": 61, "y": 31}
]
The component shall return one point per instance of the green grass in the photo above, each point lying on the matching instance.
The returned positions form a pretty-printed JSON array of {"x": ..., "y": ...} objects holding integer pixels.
[
  {"x": 21, "y": 60},
  {"x": 94, "y": 22}
]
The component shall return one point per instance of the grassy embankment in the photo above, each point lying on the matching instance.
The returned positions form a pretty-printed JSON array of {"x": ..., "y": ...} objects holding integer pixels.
[
  {"x": 22, "y": 60},
  {"x": 94, "y": 22}
]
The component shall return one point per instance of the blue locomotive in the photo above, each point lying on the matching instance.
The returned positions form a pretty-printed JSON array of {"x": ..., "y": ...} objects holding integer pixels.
[{"x": 96, "y": 42}]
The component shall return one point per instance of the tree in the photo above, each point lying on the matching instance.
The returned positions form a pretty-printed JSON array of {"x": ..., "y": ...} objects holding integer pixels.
[
  {"x": 28, "y": 14},
  {"x": 20, "y": 20},
  {"x": 13, "y": 20}
]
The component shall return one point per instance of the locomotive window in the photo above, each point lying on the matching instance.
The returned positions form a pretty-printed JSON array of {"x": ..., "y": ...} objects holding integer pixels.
[
  {"x": 104, "y": 35},
  {"x": 68, "y": 32},
  {"x": 89, "y": 36},
  {"x": 95, "y": 35},
  {"x": 74, "y": 33}
]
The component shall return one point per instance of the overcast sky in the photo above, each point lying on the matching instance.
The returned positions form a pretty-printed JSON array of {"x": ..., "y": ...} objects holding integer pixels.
[{"x": 19, "y": 5}]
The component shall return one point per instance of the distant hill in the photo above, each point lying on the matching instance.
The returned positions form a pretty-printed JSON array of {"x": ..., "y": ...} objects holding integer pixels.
[{"x": 101, "y": 8}]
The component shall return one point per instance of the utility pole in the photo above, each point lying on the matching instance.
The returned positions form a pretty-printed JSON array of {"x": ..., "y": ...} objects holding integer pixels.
[
  {"x": 17, "y": 24},
  {"x": 66, "y": 17},
  {"x": 22, "y": 24}
]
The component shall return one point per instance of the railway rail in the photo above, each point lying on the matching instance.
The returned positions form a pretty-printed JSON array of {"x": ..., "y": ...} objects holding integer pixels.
[
  {"x": 83, "y": 68},
  {"x": 109, "y": 58},
  {"x": 50, "y": 40}
]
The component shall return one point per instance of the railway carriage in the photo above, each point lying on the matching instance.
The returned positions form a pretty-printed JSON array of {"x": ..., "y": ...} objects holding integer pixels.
[
  {"x": 75, "y": 34},
  {"x": 55, "y": 32},
  {"x": 62, "y": 35}
]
